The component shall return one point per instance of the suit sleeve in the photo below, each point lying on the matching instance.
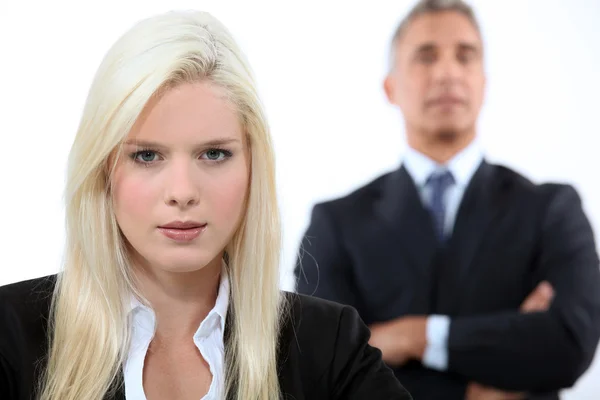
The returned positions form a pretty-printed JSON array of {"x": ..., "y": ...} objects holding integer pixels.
[
  {"x": 357, "y": 370},
  {"x": 543, "y": 351},
  {"x": 8, "y": 328},
  {"x": 323, "y": 268},
  {"x": 8, "y": 390}
]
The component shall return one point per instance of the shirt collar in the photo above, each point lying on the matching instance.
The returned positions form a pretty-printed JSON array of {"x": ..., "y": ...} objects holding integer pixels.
[
  {"x": 462, "y": 166},
  {"x": 222, "y": 303}
]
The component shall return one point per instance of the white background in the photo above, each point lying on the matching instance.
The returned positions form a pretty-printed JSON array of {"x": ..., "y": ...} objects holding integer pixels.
[{"x": 319, "y": 66}]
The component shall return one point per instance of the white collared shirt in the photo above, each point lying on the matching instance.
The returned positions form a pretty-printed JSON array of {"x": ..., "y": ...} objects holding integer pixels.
[
  {"x": 208, "y": 339},
  {"x": 463, "y": 167}
]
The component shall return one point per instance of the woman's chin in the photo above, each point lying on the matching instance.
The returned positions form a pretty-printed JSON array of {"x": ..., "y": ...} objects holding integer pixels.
[{"x": 189, "y": 264}]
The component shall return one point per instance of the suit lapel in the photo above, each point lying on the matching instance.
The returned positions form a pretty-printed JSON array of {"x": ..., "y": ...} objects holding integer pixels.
[
  {"x": 480, "y": 206},
  {"x": 118, "y": 388},
  {"x": 288, "y": 376},
  {"x": 227, "y": 339},
  {"x": 408, "y": 222}
]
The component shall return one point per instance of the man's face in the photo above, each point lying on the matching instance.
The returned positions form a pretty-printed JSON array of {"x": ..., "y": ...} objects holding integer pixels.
[{"x": 438, "y": 78}]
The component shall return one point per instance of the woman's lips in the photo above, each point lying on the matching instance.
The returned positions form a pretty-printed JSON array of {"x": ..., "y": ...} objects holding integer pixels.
[{"x": 182, "y": 234}]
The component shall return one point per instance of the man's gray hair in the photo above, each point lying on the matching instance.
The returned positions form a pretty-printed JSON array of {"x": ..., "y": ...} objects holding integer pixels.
[{"x": 428, "y": 7}]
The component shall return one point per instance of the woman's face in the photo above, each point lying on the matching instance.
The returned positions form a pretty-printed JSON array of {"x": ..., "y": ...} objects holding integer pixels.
[{"x": 180, "y": 184}]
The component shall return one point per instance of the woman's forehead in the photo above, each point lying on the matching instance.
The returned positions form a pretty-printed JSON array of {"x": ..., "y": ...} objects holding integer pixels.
[{"x": 188, "y": 109}]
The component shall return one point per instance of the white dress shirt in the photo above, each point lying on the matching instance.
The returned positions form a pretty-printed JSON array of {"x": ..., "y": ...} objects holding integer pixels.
[
  {"x": 463, "y": 167},
  {"x": 208, "y": 339}
]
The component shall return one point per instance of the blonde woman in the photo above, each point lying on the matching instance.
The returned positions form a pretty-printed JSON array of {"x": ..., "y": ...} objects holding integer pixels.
[{"x": 170, "y": 283}]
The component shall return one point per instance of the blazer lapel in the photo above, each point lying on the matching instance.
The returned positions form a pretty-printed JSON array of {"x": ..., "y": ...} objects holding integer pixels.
[
  {"x": 408, "y": 222},
  {"x": 480, "y": 206},
  {"x": 118, "y": 385},
  {"x": 226, "y": 341},
  {"x": 288, "y": 380}
]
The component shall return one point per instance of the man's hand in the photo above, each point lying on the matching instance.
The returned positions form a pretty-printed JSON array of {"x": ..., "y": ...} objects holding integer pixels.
[
  {"x": 538, "y": 300},
  {"x": 476, "y": 391},
  {"x": 401, "y": 339}
]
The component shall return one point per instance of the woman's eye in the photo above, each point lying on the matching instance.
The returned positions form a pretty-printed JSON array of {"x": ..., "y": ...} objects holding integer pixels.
[
  {"x": 215, "y": 155},
  {"x": 145, "y": 156}
]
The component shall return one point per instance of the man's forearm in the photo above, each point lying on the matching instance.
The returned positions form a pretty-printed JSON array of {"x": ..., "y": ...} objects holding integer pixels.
[{"x": 518, "y": 352}]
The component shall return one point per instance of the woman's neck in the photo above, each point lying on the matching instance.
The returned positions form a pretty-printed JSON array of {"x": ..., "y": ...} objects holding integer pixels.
[{"x": 180, "y": 300}]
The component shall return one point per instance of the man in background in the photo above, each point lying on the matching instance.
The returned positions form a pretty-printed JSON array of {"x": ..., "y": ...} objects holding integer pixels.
[{"x": 476, "y": 282}]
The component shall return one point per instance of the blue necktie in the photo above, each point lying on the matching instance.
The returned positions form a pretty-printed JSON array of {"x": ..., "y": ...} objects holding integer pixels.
[{"x": 439, "y": 182}]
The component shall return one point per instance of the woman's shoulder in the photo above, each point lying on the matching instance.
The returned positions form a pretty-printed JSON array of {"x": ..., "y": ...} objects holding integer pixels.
[
  {"x": 326, "y": 345},
  {"x": 312, "y": 318},
  {"x": 315, "y": 324},
  {"x": 314, "y": 306},
  {"x": 28, "y": 294},
  {"x": 312, "y": 324},
  {"x": 44, "y": 282},
  {"x": 24, "y": 310}
]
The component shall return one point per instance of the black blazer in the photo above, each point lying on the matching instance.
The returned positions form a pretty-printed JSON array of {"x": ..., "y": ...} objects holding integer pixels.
[
  {"x": 323, "y": 351},
  {"x": 376, "y": 251}
]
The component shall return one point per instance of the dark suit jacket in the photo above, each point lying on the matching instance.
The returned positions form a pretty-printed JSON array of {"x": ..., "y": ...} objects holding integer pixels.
[
  {"x": 375, "y": 249},
  {"x": 323, "y": 351}
]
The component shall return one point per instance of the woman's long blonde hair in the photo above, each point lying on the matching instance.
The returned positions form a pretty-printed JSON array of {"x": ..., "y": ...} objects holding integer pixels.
[{"x": 88, "y": 325}]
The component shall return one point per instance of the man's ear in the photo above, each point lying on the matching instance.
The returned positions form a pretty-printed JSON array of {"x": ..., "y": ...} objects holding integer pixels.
[{"x": 388, "y": 86}]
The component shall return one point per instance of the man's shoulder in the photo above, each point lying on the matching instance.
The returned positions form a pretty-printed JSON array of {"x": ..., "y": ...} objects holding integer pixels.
[
  {"x": 359, "y": 197},
  {"x": 543, "y": 189}
]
